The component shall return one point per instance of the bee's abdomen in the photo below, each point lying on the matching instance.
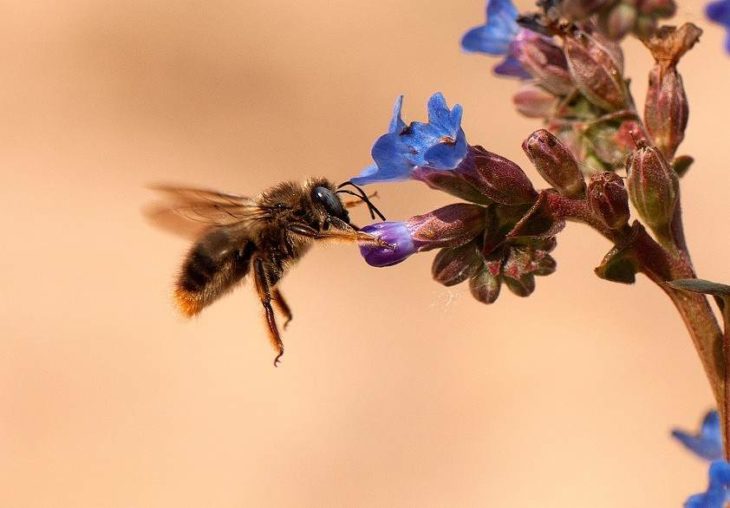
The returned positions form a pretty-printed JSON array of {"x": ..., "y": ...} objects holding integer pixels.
[{"x": 213, "y": 266}]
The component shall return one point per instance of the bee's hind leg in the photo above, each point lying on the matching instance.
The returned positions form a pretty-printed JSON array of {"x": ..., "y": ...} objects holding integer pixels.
[
  {"x": 281, "y": 304},
  {"x": 263, "y": 276}
]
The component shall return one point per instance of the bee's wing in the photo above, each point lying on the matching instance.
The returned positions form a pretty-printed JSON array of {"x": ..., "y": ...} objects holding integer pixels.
[{"x": 190, "y": 211}]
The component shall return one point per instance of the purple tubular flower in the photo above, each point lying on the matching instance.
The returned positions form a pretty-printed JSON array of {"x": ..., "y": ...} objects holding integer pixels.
[
  {"x": 449, "y": 226},
  {"x": 496, "y": 36},
  {"x": 395, "y": 233},
  {"x": 708, "y": 442},
  {"x": 716, "y": 495},
  {"x": 719, "y": 12},
  {"x": 439, "y": 144}
]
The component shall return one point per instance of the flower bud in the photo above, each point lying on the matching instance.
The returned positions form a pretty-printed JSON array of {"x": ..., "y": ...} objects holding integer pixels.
[
  {"x": 452, "y": 266},
  {"x": 555, "y": 163},
  {"x": 449, "y": 226},
  {"x": 653, "y": 186},
  {"x": 534, "y": 102},
  {"x": 497, "y": 178},
  {"x": 577, "y": 10},
  {"x": 608, "y": 199},
  {"x": 619, "y": 21},
  {"x": 597, "y": 69},
  {"x": 666, "y": 110},
  {"x": 449, "y": 182},
  {"x": 485, "y": 285},
  {"x": 544, "y": 60},
  {"x": 658, "y": 8}
]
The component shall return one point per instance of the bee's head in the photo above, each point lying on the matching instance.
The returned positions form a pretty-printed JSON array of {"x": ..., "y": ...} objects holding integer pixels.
[{"x": 326, "y": 197}]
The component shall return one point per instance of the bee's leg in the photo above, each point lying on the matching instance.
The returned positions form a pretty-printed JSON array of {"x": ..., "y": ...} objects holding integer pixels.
[
  {"x": 281, "y": 304},
  {"x": 342, "y": 231},
  {"x": 263, "y": 287}
]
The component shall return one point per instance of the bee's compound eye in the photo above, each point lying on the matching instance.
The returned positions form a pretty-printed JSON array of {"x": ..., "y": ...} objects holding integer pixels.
[{"x": 330, "y": 201}]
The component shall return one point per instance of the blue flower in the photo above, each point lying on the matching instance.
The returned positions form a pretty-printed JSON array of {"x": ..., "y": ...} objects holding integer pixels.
[
  {"x": 439, "y": 144},
  {"x": 719, "y": 12},
  {"x": 717, "y": 494},
  {"x": 496, "y": 37},
  {"x": 395, "y": 233},
  {"x": 708, "y": 442}
]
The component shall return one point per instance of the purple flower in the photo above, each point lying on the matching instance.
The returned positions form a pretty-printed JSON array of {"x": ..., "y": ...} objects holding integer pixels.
[
  {"x": 497, "y": 36},
  {"x": 707, "y": 443},
  {"x": 439, "y": 144},
  {"x": 449, "y": 226},
  {"x": 395, "y": 233},
  {"x": 719, "y": 12},
  {"x": 716, "y": 495}
]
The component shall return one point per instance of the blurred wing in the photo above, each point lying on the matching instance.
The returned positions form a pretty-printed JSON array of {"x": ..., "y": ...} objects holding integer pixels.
[{"x": 190, "y": 211}]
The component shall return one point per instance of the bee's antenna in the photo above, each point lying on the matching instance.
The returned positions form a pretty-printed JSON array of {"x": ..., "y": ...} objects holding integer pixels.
[{"x": 363, "y": 196}]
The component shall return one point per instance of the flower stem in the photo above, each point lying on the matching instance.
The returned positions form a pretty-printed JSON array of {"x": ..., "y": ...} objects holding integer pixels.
[{"x": 662, "y": 264}]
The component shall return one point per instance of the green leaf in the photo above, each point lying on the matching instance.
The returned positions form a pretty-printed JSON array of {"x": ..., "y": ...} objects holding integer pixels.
[{"x": 701, "y": 286}]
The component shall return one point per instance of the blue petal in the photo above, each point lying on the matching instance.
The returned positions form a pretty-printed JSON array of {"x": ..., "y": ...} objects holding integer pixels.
[
  {"x": 440, "y": 144},
  {"x": 716, "y": 495},
  {"x": 495, "y": 36},
  {"x": 512, "y": 67},
  {"x": 708, "y": 442},
  {"x": 396, "y": 123},
  {"x": 719, "y": 12},
  {"x": 446, "y": 156},
  {"x": 391, "y": 165}
]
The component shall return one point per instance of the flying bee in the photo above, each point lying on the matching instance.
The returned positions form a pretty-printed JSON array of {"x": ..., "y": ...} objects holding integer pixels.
[{"x": 263, "y": 236}]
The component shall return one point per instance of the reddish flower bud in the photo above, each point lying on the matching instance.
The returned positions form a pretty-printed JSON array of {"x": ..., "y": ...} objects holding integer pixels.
[
  {"x": 534, "y": 102},
  {"x": 597, "y": 69},
  {"x": 497, "y": 178},
  {"x": 608, "y": 199},
  {"x": 485, "y": 285},
  {"x": 544, "y": 60},
  {"x": 653, "y": 187},
  {"x": 449, "y": 182},
  {"x": 619, "y": 21},
  {"x": 667, "y": 110},
  {"x": 658, "y": 8},
  {"x": 577, "y": 10},
  {"x": 555, "y": 163},
  {"x": 449, "y": 226},
  {"x": 452, "y": 266}
]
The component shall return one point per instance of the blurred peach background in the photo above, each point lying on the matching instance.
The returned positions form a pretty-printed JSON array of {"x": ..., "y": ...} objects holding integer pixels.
[{"x": 394, "y": 391}]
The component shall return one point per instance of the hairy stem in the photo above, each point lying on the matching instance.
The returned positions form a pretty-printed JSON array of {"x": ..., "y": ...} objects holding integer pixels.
[{"x": 662, "y": 264}]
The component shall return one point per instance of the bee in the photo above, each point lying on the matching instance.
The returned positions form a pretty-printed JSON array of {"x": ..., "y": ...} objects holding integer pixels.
[{"x": 262, "y": 236}]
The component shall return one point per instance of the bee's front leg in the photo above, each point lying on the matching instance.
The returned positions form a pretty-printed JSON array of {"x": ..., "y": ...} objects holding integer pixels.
[{"x": 264, "y": 276}]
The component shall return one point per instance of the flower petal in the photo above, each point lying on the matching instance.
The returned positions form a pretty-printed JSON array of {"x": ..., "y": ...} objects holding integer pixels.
[
  {"x": 719, "y": 12},
  {"x": 708, "y": 442},
  {"x": 495, "y": 36},
  {"x": 512, "y": 67},
  {"x": 395, "y": 233}
]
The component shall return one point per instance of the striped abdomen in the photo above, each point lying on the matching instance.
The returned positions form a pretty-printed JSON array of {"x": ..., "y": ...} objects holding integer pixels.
[{"x": 216, "y": 262}]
